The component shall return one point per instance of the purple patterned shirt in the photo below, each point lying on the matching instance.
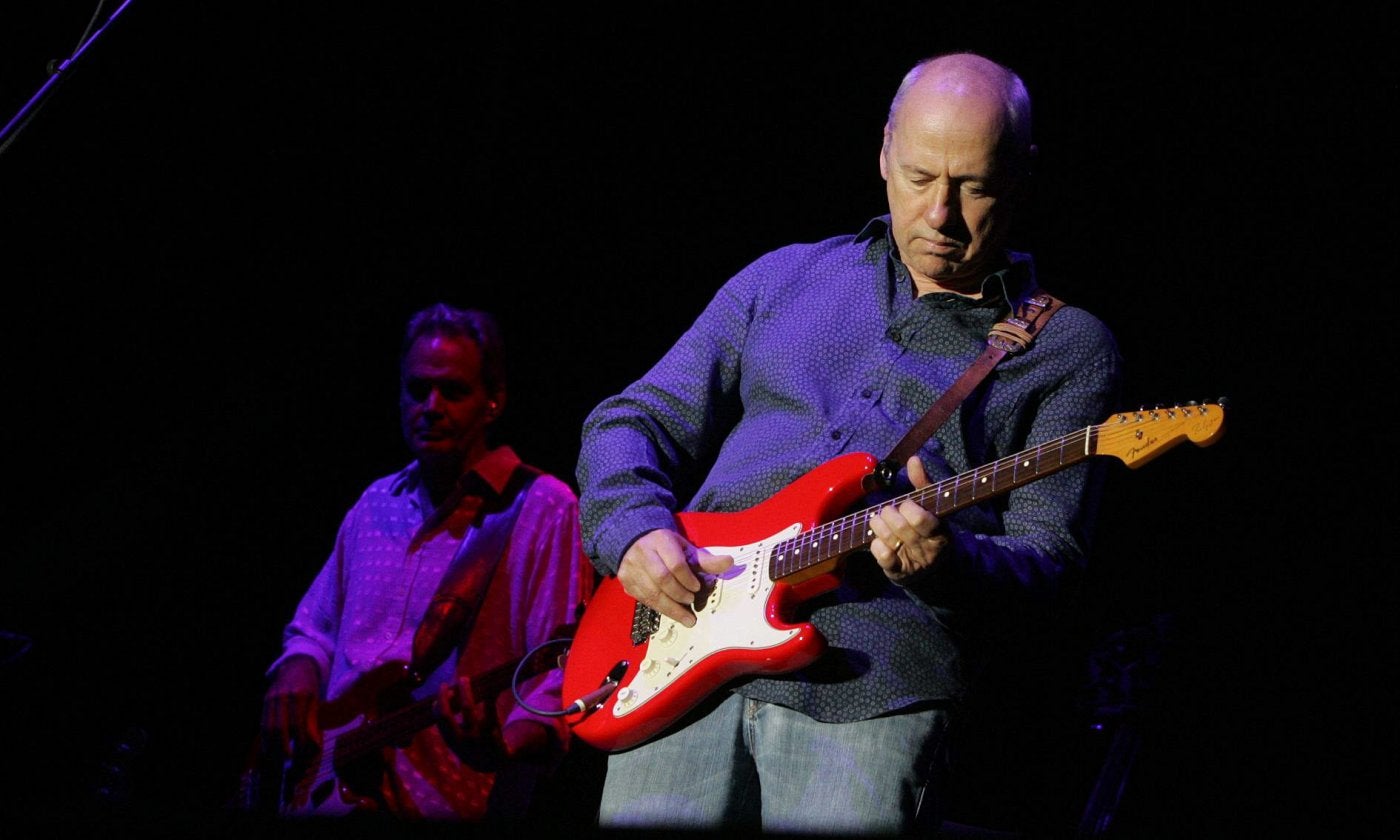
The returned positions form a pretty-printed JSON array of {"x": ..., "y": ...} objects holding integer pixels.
[{"x": 819, "y": 349}]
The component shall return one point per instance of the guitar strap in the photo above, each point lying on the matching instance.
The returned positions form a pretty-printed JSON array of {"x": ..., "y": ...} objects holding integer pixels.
[
  {"x": 1011, "y": 335},
  {"x": 454, "y": 607}
]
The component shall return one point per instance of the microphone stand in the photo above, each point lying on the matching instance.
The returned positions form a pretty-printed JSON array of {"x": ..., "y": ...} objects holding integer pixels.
[{"x": 56, "y": 76}]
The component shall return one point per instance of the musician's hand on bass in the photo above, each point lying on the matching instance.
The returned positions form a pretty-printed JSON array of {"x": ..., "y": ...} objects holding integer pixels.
[
  {"x": 291, "y": 706},
  {"x": 463, "y": 714}
]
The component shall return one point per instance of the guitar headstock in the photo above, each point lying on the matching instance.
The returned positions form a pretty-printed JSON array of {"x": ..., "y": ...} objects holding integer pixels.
[{"x": 1136, "y": 437}]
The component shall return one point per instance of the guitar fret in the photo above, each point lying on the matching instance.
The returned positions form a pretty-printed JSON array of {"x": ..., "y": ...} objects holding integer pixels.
[
  {"x": 822, "y": 543},
  {"x": 777, "y": 564},
  {"x": 1011, "y": 472},
  {"x": 848, "y": 534}
]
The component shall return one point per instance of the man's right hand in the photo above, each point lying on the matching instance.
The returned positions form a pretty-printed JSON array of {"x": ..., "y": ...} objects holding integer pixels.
[
  {"x": 660, "y": 571},
  {"x": 291, "y": 706}
]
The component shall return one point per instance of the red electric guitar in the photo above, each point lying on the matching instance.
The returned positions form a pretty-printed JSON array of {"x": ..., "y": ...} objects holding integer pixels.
[{"x": 638, "y": 671}]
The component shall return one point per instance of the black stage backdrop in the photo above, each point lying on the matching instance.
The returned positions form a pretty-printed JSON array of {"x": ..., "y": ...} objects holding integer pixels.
[{"x": 216, "y": 226}]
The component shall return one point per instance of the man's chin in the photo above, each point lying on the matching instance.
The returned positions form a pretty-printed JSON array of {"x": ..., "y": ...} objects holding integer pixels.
[
  {"x": 942, "y": 272},
  {"x": 953, "y": 272},
  {"x": 433, "y": 449}
]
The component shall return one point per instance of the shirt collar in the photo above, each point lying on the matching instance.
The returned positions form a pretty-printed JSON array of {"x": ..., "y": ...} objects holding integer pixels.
[
  {"x": 1013, "y": 281},
  {"x": 876, "y": 228},
  {"x": 1008, "y": 282},
  {"x": 494, "y": 468}
]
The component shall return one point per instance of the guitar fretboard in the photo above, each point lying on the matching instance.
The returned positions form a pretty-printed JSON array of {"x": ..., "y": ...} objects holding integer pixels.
[{"x": 840, "y": 536}]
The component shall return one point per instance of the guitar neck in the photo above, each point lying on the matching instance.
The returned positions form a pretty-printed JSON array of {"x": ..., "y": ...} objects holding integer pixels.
[
  {"x": 839, "y": 537},
  {"x": 396, "y": 727},
  {"x": 1134, "y": 438},
  {"x": 399, "y": 725}
]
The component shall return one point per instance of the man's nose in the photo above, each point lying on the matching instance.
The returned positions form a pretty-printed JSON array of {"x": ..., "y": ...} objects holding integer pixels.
[
  {"x": 433, "y": 401},
  {"x": 939, "y": 207}
]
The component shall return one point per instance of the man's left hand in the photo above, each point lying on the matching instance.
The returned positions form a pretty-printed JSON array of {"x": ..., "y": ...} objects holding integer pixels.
[{"x": 909, "y": 539}]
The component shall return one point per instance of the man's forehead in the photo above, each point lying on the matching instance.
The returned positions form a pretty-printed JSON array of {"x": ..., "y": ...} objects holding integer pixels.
[{"x": 440, "y": 355}]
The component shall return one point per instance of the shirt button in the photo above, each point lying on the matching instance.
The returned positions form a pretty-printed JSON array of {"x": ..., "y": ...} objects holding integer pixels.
[
  {"x": 866, "y": 393},
  {"x": 835, "y": 434},
  {"x": 895, "y": 335}
]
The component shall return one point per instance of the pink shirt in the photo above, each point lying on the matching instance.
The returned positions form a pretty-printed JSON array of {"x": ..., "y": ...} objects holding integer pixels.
[{"x": 362, "y": 610}]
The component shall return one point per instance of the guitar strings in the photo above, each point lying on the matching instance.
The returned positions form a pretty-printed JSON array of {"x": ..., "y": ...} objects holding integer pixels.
[
  {"x": 852, "y": 531},
  {"x": 371, "y": 736}
]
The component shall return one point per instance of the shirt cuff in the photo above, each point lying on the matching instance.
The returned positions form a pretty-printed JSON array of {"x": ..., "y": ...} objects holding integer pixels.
[
  {"x": 303, "y": 647},
  {"x": 622, "y": 531}
]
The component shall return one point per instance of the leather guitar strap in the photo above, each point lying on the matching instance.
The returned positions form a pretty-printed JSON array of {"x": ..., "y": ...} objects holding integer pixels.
[
  {"x": 454, "y": 607},
  {"x": 1011, "y": 335}
]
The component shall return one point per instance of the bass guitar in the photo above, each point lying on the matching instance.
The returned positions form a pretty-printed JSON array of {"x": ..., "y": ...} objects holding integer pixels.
[
  {"x": 637, "y": 671},
  {"x": 378, "y": 712}
]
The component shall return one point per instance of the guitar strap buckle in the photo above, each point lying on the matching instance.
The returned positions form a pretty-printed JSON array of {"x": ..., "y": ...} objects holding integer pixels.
[{"x": 882, "y": 476}]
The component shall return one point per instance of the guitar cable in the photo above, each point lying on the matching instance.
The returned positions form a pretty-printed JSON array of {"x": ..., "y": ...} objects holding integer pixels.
[{"x": 579, "y": 705}]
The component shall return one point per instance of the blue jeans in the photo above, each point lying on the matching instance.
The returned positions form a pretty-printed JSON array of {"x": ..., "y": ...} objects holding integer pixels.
[{"x": 752, "y": 765}]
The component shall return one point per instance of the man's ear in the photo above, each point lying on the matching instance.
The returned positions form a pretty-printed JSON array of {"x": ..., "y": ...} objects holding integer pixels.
[{"x": 884, "y": 149}]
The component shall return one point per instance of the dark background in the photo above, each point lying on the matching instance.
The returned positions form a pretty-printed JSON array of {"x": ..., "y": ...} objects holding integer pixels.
[{"x": 214, "y": 229}]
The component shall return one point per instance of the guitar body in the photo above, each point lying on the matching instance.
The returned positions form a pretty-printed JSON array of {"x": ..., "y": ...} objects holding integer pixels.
[
  {"x": 663, "y": 668},
  {"x": 347, "y": 774}
]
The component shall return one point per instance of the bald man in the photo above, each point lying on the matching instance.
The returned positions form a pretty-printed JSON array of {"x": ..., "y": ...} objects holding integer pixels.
[{"x": 812, "y": 352}]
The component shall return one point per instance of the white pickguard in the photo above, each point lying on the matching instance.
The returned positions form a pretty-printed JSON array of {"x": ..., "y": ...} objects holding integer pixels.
[
  {"x": 730, "y": 614},
  {"x": 319, "y": 792}
]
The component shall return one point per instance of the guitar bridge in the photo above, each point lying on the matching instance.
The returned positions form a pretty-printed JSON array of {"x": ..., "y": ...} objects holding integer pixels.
[{"x": 645, "y": 620}]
